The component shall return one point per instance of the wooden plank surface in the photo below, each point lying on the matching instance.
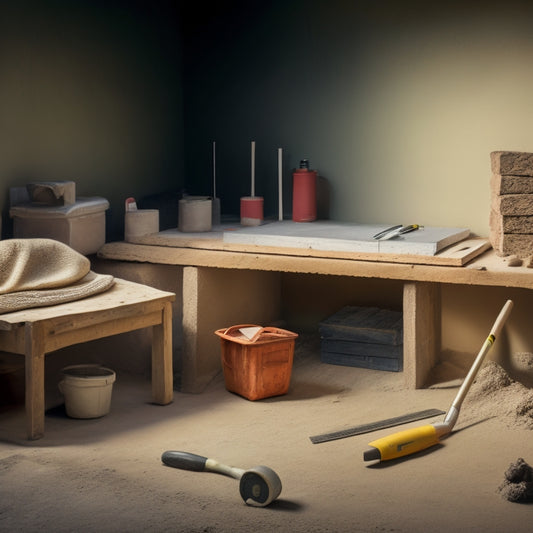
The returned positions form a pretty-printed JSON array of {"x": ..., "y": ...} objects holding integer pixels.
[
  {"x": 487, "y": 269},
  {"x": 121, "y": 295}
]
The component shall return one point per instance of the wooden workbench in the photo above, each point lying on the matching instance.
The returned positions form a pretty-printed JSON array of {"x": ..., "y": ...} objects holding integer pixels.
[
  {"x": 471, "y": 262},
  {"x": 125, "y": 307}
]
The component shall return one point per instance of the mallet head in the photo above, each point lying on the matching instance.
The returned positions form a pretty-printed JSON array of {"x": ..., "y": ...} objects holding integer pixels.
[{"x": 259, "y": 486}]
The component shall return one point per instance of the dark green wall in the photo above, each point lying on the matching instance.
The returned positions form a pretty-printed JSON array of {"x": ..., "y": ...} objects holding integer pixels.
[{"x": 91, "y": 91}]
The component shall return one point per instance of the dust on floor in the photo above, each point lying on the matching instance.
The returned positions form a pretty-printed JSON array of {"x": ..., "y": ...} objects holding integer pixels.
[{"x": 106, "y": 475}]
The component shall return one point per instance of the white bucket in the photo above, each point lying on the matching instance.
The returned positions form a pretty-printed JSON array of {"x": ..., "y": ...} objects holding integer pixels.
[
  {"x": 140, "y": 222},
  {"x": 87, "y": 390},
  {"x": 195, "y": 214}
]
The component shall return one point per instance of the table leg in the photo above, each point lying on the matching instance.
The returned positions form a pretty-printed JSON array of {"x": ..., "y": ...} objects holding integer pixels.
[
  {"x": 162, "y": 378},
  {"x": 34, "y": 369},
  {"x": 421, "y": 331}
]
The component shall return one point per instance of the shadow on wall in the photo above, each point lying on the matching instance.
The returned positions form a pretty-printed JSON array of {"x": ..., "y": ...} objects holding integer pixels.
[
  {"x": 91, "y": 92},
  {"x": 467, "y": 316}
]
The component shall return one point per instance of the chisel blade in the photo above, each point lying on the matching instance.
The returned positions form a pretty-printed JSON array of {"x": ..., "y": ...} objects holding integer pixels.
[{"x": 374, "y": 426}]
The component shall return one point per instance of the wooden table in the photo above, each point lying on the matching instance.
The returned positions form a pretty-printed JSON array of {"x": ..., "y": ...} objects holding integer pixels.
[
  {"x": 125, "y": 307},
  {"x": 205, "y": 258}
]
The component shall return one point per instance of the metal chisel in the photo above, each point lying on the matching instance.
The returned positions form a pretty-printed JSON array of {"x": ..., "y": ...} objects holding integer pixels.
[{"x": 396, "y": 231}]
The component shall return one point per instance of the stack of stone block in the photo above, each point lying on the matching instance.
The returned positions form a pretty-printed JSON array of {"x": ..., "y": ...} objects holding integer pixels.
[{"x": 511, "y": 215}]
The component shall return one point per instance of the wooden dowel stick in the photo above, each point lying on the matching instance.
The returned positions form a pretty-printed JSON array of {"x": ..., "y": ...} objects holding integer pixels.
[
  {"x": 253, "y": 168},
  {"x": 214, "y": 171},
  {"x": 280, "y": 184}
]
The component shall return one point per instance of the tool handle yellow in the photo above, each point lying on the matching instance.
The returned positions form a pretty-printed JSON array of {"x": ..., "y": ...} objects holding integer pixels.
[{"x": 403, "y": 443}]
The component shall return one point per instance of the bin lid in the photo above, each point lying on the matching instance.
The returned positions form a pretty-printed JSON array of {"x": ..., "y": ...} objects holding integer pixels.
[{"x": 82, "y": 206}]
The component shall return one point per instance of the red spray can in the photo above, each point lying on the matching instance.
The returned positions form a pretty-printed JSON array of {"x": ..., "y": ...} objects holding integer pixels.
[{"x": 304, "y": 193}]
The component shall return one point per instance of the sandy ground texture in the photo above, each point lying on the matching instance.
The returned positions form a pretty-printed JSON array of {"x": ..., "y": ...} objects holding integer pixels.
[{"x": 106, "y": 474}]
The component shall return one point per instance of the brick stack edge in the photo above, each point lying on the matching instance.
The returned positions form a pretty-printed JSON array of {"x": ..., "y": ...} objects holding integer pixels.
[{"x": 511, "y": 213}]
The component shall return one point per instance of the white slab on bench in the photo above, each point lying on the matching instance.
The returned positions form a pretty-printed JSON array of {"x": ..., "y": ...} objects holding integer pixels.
[{"x": 348, "y": 237}]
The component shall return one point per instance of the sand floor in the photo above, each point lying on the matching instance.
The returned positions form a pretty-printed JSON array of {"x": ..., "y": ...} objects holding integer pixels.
[{"x": 106, "y": 474}]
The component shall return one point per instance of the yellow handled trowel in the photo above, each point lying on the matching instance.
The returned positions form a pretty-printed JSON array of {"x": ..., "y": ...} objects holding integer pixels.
[{"x": 413, "y": 440}]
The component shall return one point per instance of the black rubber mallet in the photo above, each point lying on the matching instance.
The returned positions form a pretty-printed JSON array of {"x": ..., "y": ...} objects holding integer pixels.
[{"x": 259, "y": 486}]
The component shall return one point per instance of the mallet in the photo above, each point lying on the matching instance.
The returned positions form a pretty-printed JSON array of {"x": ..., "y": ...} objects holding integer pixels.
[{"x": 258, "y": 486}]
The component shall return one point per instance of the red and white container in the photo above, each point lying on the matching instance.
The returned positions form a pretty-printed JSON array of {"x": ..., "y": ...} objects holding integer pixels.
[{"x": 251, "y": 210}]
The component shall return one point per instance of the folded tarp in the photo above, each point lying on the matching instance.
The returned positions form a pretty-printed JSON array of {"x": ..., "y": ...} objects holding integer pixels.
[{"x": 43, "y": 272}]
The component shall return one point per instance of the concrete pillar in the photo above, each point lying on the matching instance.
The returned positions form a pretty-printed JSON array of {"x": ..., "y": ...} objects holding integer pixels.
[
  {"x": 421, "y": 331},
  {"x": 215, "y": 298}
]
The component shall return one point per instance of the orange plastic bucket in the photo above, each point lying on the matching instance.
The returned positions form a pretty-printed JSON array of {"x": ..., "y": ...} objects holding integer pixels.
[{"x": 259, "y": 367}]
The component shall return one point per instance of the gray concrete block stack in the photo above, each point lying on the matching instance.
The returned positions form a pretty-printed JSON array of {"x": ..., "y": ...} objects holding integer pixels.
[{"x": 511, "y": 214}]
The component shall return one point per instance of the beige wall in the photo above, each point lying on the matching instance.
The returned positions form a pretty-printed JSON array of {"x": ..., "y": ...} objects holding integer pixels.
[{"x": 397, "y": 104}]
